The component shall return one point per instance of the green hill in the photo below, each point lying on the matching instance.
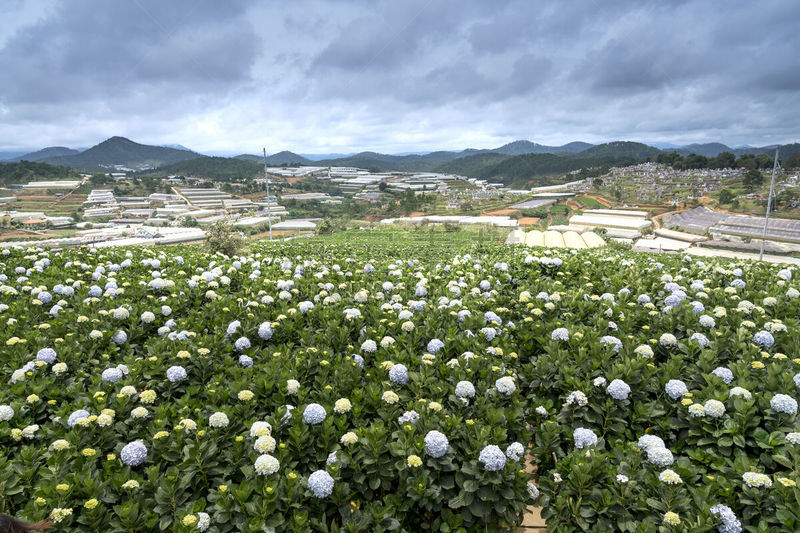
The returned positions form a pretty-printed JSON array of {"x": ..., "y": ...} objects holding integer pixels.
[
  {"x": 44, "y": 153},
  {"x": 281, "y": 159},
  {"x": 217, "y": 168},
  {"x": 122, "y": 151},
  {"x": 619, "y": 149},
  {"x": 25, "y": 171},
  {"x": 474, "y": 166},
  {"x": 539, "y": 169}
]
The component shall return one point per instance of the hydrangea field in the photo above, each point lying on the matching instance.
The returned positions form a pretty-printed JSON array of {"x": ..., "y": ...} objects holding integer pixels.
[{"x": 319, "y": 387}]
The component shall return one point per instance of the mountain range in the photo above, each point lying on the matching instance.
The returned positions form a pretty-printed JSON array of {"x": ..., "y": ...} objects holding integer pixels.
[{"x": 507, "y": 162}]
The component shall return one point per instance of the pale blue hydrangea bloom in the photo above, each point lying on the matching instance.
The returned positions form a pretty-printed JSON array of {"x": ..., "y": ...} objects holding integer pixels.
[
  {"x": 584, "y": 437},
  {"x": 618, "y": 389},
  {"x": 515, "y": 451},
  {"x": 321, "y": 484},
  {"x": 764, "y": 338},
  {"x": 314, "y": 414},
  {"x": 48, "y": 355},
  {"x": 436, "y": 444},
  {"x": 660, "y": 457},
  {"x": 723, "y": 373},
  {"x": 80, "y": 413},
  {"x": 265, "y": 331},
  {"x": 675, "y": 388},
  {"x": 730, "y": 524},
  {"x": 408, "y": 416},
  {"x": 176, "y": 373},
  {"x": 111, "y": 375},
  {"x": 493, "y": 458},
  {"x": 242, "y": 343},
  {"x": 398, "y": 374},
  {"x": 783, "y": 403},
  {"x": 134, "y": 453}
]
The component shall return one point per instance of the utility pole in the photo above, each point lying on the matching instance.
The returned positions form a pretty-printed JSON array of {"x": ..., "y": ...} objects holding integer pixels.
[
  {"x": 269, "y": 205},
  {"x": 769, "y": 203}
]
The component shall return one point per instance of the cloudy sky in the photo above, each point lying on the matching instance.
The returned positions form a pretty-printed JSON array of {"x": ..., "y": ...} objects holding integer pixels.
[{"x": 397, "y": 76}]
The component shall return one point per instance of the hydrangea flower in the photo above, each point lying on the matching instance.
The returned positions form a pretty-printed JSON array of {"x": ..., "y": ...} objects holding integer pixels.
[
  {"x": 756, "y": 480},
  {"x": 493, "y": 458},
  {"x": 218, "y": 420},
  {"x": 764, "y": 338},
  {"x": 48, "y": 355},
  {"x": 369, "y": 346},
  {"x": 321, "y": 484},
  {"x": 675, "y": 388},
  {"x": 783, "y": 403},
  {"x": 505, "y": 385},
  {"x": 644, "y": 351},
  {"x": 242, "y": 343},
  {"x": 648, "y": 441},
  {"x": 515, "y": 451},
  {"x": 408, "y": 416},
  {"x": 134, "y": 453},
  {"x": 434, "y": 345},
  {"x": 667, "y": 340},
  {"x": 739, "y": 391},
  {"x": 700, "y": 339},
  {"x": 560, "y": 334},
  {"x": 723, "y": 373},
  {"x": 714, "y": 408},
  {"x": 610, "y": 340},
  {"x": 436, "y": 444},
  {"x": 266, "y": 465},
  {"x": 7, "y": 413},
  {"x": 265, "y": 331},
  {"x": 670, "y": 477},
  {"x": 577, "y": 398},
  {"x": 584, "y": 437},
  {"x": 398, "y": 374},
  {"x": 176, "y": 373},
  {"x": 730, "y": 524},
  {"x": 111, "y": 375},
  {"x": 659, "y": 456},
  {"x": 314, "y": 414},
  {"x": 618, "y": 389},
  {"x": 465, "y": 390},
  {"x": 76, "y": 415}
]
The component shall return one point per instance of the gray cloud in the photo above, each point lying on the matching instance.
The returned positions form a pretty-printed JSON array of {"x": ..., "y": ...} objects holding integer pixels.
[{"x": 397, "y": 76}]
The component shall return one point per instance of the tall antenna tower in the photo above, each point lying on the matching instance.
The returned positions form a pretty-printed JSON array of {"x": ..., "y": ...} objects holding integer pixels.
[
  {"x": 769, "y": 203},
  {"x": 269, "y": 202}
]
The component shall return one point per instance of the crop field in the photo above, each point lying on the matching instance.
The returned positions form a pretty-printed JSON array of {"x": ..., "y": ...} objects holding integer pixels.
[
  {"x": 384, "y": 381},
  {"x": 47, "y": 202}
]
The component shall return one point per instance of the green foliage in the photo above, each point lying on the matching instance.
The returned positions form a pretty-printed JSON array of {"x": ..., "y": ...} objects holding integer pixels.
[
  {"x": 223, "y": 238},
  {"x": 25, "y": 171},
  {"x": 216, "y": 168},
  {"x": 753, "y": 179},
  {"x": 726, "y": 196}
]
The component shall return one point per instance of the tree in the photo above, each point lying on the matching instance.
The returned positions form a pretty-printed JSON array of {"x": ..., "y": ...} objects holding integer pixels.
[
  {"x": 190, "y": 222},
  {"x": 725, "y": 160},
  {"x": 597, "y": 183},
  {"x": 726, "y": 196},
  {"x": 753, "y": 179},
  {"x": 221, "y": 237},
  {"x": 764, "y": 161},
  {"x": 382, "y": 186},
  {"x": 793, "y": 161}
]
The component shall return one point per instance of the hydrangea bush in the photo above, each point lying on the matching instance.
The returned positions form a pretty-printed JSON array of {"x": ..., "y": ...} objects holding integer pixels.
[{"x": 311, "y": 387}]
